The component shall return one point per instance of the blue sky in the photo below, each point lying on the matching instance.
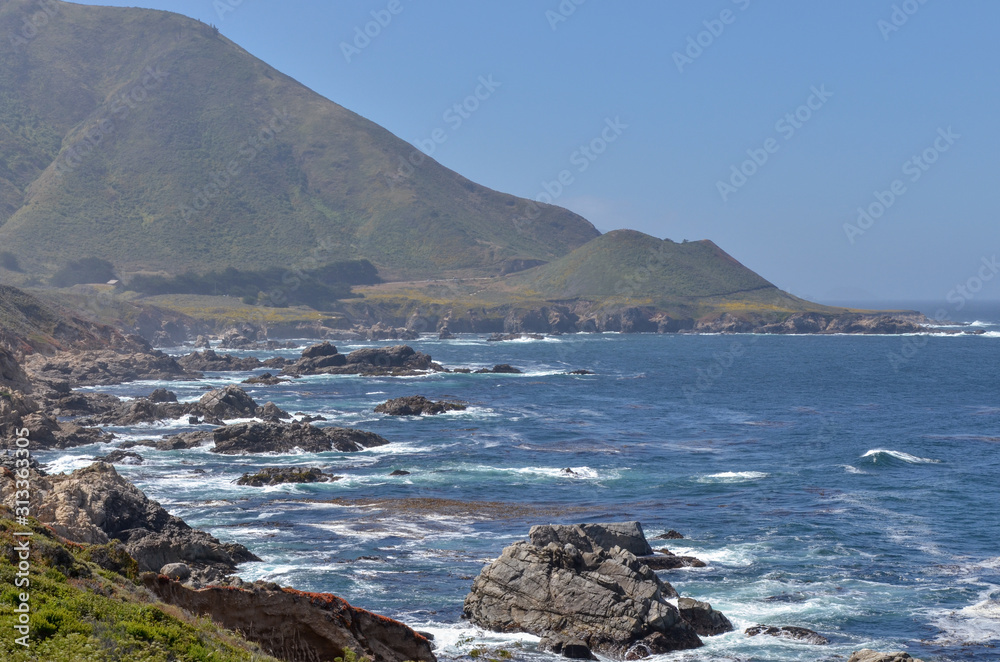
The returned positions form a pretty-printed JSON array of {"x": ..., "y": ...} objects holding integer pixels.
[{"x": 822, "y": 105}]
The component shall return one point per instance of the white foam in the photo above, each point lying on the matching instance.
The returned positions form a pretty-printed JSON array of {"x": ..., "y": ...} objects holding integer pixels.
[
  {"x": 882, "y": 453},
  {"x": 977, "y": 623},
  {"x": 733, "y": 477}
]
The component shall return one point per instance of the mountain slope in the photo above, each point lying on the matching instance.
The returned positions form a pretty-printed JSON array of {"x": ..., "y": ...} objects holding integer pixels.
[{"x": 148, "y": 139}]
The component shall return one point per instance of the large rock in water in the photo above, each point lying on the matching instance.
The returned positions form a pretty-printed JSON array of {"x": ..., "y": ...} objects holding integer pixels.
[
  {"x": 285, "y": 437},
  {"x": 417, "y": 405},
  {"x": 95, "y": 504},
  {"x": 588, "y": 537},
  {"x": 294, "y": 625},
  {"x": 607, "y": 599}
]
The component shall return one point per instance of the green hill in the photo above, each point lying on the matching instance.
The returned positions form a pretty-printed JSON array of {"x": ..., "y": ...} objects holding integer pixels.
[
  {"x": 627, "y": 263},
  {"x": 150, "y": 140}
]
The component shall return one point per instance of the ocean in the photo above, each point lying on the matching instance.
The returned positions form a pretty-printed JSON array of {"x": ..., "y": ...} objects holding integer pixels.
[{"x": 846, "y": 484}]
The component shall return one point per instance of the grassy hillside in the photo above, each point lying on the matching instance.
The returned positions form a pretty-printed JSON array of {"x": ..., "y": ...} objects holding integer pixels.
[
  {"x": 118, "y": 126},
  {"x": 627, "y": 263}
]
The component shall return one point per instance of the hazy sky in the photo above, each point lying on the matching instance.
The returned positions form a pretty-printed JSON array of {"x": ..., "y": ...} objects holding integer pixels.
[{"x": 825, "y": 107}]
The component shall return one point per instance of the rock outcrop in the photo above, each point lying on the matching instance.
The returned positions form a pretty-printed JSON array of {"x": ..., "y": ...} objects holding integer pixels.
[
  {"x": 274, "y": 437},
  {"x": 214, "y": 407},
  {"x": 12, "y": 376},
  {"x": 95, "y": 504},
  {"x": 103, "y": 367},
  {"x": 395, "y": 360},
  {"x": 281, "y": 475},
  {"x": 294, "y": 625},
  {"x": 417, "y": 405},
  {"x": 607, "y": 599},
  {"x": 210, "y": 361}
]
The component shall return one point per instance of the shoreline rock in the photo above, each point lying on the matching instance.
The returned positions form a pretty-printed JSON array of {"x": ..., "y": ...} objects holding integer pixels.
[
  {"x": 96, "y": 505},
  {"x": 297, "y": 625},
  {"x": 582, "y": 584}
]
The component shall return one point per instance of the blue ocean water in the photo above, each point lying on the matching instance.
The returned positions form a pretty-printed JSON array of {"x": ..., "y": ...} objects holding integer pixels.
[{"x": 841, "y": 483}]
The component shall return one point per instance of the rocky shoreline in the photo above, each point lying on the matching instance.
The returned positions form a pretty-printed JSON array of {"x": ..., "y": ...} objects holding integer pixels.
[{"x": 600, "y": 591}]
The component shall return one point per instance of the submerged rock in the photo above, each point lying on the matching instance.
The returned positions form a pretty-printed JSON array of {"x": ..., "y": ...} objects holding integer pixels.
[
  {"x": 120, "y": 457},
  {"x": 416, "y": 405},
  {"x": 788, "y": 632},
  {"x": 499, "y": 369},
  {"x": 868, "y": 655}
]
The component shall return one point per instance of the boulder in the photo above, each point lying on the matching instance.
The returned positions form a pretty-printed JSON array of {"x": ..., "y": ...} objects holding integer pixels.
[
  {"x": 294, "y": 625},
  {"x": 669, "y": 535},
  {"x": 607, "y": 599},
  {"x": 228, "y": 402},
  {"x": 667, "y": 560},
  {"x": 416, "y": 405},
  {"x": 868, "y": 655},
  {"x": 162, "y": 395},
  {"x": 316, "y": 351},
  {"x": 271, "y": 412},
  {"x": 788, "y": 632},
  {"x": 590, "y": 537},
  {"x": 706, "y": 621},
  {"x": 202, "y": 342},
  {"x": 176, "y": 571}
]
